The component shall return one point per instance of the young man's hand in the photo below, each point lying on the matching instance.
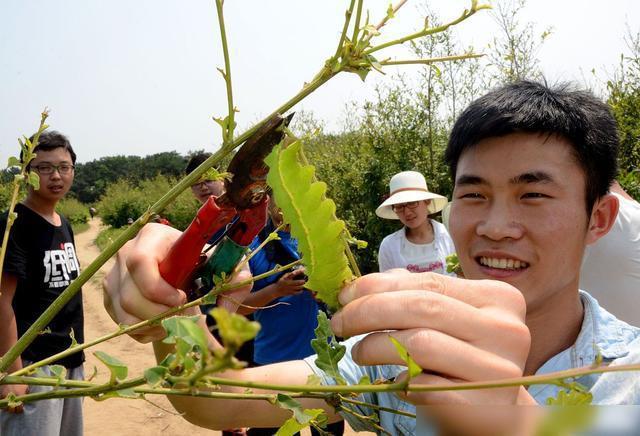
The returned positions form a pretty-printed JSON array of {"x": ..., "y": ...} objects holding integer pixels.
[
  {"x": 135, "y": 291},
  {"x": 457, "y": 330},
  {"x": 17, "y": 390},
  {"x": 291, "y": 283}
]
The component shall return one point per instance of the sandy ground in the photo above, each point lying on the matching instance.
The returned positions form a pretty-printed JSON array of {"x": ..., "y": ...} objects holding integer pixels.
[{"x": 119, "y": 416}]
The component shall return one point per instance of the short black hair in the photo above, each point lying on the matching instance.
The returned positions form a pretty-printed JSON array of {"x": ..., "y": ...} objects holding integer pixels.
[
  {"x": 51, "y": 140},
  {"x": 531, "y": 107},
  {"x": 195, "y": 161}
]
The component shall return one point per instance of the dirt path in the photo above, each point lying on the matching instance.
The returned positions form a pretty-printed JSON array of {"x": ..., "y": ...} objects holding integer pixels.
[{"x": 118, "y": 416}]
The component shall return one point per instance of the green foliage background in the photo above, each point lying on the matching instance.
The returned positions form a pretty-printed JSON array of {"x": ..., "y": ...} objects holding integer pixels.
[
  {"x": 624, "y": 98},
  {"x": 124, "y": 199},
  {"x": 92, "y": 178},
  {"x": 76, "y": 212}
]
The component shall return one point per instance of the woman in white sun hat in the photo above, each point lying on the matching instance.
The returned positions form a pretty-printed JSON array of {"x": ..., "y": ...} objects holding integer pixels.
[{"x": 423, "y": 243}]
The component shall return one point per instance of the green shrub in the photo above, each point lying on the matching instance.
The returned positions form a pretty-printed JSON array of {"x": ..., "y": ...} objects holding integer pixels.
[
  {"x": 76, "y": 212},
  {"x": 630, "y": 182},
  {"x": 122, "y": 200},
  {"x": 6, "y": 190}
]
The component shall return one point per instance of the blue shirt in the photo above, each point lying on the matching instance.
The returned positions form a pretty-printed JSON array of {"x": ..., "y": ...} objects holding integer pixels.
[
  {"x": 616, "y": 341},
  {"x": 287, "y": 328}
]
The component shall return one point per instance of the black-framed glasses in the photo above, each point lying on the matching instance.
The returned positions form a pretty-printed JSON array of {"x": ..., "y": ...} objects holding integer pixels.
[
  {"x": 198, "y": 185},
  {"x": 48, "y": 169},
  {"x": 400, "y": 206}
]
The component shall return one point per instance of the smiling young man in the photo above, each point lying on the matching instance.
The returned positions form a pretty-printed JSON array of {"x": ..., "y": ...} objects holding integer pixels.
[
  {"x": 532, "y": 167},
  {"x": 40, "y": 263}
]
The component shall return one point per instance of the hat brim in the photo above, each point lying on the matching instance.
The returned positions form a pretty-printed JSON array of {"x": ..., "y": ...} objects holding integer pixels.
[{"x": 438, "y": 202}]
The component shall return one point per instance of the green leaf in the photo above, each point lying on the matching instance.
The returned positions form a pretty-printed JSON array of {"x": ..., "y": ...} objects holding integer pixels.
[
  {"x": 453, "y": 264},
  {"x": 364, "y": 380},
  {"x": 313, "y": 221},
  {"x": 34, "y": 180},
  {"x": 72, "y": 335},
  {"x": 314, "y": 380},
  {"x": 234, "y": 329},
  {"x": 577, "y": 419},
  {"x": 155, "y": 376},
  {"x": 329, "y": 351},
  {"x": 362, "y": 73},
  {"x": 13, "y": 162},
  {"x": 573, "y": 394},
  {"x": 122, "y": 393},
  {"x": 185, "y": 328},
  {"x": 58, "y": 371},
  {"x": 412, "y": 366},
  {"x": 118, "y": 369},
  {"x": 13, "y": 400},
  {"x": 210, "y": 298},
  {"x": 390, "y": 13},
  {"x": 300, "y": 419},
  {"x": 371, "y": 29}
]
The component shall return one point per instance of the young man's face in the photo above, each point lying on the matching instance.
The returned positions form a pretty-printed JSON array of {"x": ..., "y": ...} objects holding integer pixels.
[
  {"x": 55, "y": 169},
  {"x": 518, "y": 214},
  {"x": 203, "y": 190}
]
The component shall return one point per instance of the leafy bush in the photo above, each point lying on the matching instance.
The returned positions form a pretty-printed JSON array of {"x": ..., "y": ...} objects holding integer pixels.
[
  {"x": 630, "y": 182},
  {"x": 74, "y": 211},
  {"x": 5, "y": 195},
  {"x": 395, "y": 133},
  {"x": 122, "y": 200}
]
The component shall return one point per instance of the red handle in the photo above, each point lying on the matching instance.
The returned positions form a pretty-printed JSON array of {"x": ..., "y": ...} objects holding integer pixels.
[
  {"x": 184, "y": 256},
  {"x": 249, "y": 223}
]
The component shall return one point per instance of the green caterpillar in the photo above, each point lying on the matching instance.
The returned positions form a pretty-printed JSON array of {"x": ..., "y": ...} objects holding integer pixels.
[{"x": 313, "y": 221}]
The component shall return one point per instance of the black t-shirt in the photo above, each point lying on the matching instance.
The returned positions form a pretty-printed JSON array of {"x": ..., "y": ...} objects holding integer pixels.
[{"x": 43, "y": 258}]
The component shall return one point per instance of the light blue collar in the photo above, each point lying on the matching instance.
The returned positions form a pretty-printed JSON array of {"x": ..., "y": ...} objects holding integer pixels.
[{"x": 601, "y": 334}]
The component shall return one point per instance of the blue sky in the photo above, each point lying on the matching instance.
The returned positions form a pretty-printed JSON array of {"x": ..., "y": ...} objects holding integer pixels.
[{"x": 139, "y": 76}]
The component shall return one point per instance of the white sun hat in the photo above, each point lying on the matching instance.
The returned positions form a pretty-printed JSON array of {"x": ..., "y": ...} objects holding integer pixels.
[{"x": 406, "y": 187}]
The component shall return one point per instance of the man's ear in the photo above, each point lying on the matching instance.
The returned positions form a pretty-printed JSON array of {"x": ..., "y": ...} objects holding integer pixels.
[{"x": 603, "y": 215}]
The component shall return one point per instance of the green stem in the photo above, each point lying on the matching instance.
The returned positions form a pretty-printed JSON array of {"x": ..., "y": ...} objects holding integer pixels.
[
  {"x": 194, "y": 392},
  {"x": 364, "y": 418},
  {"x": 391, "y": 387},
  {"x": 47, "y": 381},
  {"x": 551, "y": 378},
  {"x": 5, "y": 237},
  {"x": 148, "y": 322},
  {"x": 376, "y": 407},
  {"x": 27, "y": 157},
  {"x": 425, "y": 32},
  {"x": 432, "y": 60},
  {"x": 350, "y": 257},
  {"x": 78, "y": 392},
  {"x": 227, "y": 136},
  {"x": 356, "y": 25},
  {"x": 345, "y": 29},
  {"x": 259, "y": 247},
  {"x": 384, "y": 21}
]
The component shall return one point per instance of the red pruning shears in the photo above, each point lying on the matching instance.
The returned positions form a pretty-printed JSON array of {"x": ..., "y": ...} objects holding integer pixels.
[{"x": 186, "y": 267}]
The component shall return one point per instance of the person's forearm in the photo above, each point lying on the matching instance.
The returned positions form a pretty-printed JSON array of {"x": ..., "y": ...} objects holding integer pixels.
[
  {"x": 259, "y": 299},
  {"x": 8, "y": 335}
]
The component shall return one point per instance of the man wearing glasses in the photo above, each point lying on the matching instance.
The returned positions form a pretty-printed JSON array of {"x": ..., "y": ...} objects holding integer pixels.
[{"x": 40, "y": 263}]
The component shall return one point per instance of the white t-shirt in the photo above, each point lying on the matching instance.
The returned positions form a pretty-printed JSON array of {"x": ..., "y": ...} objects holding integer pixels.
[
  {"x": 396, "y": 251},
  {"x": 611, "y": 266}
]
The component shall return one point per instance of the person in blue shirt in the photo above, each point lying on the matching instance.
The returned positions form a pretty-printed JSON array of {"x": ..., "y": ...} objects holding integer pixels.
[
  {"x": 532, "y": 166},
  {"x": 286, "y": 310}
]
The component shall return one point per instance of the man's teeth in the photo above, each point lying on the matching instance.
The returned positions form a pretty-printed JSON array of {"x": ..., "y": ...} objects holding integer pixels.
[{"x": 502, "y": 263}]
